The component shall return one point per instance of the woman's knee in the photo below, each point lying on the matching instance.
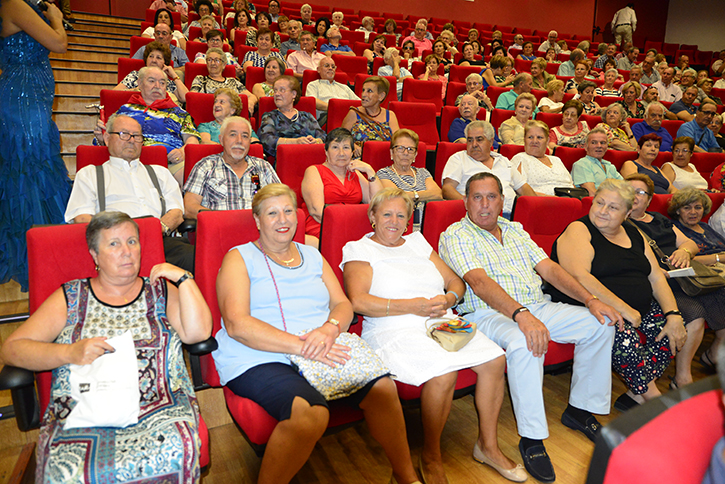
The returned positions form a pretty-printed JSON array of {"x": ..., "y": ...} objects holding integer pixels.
[{"x": 308, "y": 418}]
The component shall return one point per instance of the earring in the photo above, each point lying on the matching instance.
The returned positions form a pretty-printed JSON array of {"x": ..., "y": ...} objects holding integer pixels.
[
  {"x": 373, "y": 224},
  {"x": 97, "y": 267}
]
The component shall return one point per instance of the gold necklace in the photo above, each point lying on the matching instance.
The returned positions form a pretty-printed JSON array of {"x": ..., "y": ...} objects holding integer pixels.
[{"x": 285, "y": 262}]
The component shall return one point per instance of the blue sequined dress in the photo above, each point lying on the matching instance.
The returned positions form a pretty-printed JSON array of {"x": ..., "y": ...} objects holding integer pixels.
[{"x": 34, "y": 183}]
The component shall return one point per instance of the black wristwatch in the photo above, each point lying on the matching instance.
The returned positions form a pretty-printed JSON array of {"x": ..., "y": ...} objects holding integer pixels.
[
  {"x": 522, "y": 309},
  {"x": 187, "y": 275}
]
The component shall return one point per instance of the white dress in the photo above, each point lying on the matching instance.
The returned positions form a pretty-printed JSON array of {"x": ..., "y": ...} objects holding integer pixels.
[
  {"x": 539, "y": 176},
  {"x": 684, "y": 178},
  {"x": 405, "y": 272}
]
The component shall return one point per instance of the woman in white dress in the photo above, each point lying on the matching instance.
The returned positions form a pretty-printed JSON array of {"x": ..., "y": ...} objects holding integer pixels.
[
  {"x": 543, "y": 172},
  {"x": 680, "y": 172},
  {"x": 397, "y": 282}
]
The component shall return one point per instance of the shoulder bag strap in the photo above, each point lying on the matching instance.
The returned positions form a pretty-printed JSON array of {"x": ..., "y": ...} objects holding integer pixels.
[
  {"x": 155, "y": 181},
  {"x": 101, "y": 190}
]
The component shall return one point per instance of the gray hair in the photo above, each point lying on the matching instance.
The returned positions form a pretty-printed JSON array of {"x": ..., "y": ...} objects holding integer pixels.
[
  {"x": 576, "y": 55},
  {"x": 521, "y": 78},
  {"x": 474, "y": 76},
  {"x": 144, "y": 71},
  {"x": 655, "y": 104},
  {"x": 235, "y": 119},
  {"x": 620, "y": 187},
  {"x": 616, "y": 106},
  {"x": 295, "y": 22},
  {"x": 687, "y": 196},
  {"x": 388, "y": 55},
  {"x": 104, "y": 221},
  {"x": 690, "y": 72},
  {"x": 338, "y": 13},
  {"x": 597, "y": 131},
  {"x": 488, "y": 131},
  {"x": 220, "y": 52},
  {"x": 612, "y": 70},
  {"x": 112, "y": 120},
  {"x": 306, "y": 5}
]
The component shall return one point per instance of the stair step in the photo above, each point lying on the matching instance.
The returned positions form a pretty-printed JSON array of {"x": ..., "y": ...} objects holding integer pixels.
[
  {"x": 70, "y": 164},
  {"x": 115, "y": 29},
  {"x": 77, "y": 103},
  {"x": 81, "y": 48},
  {"x": 105, "y": 19},
  {"x": 90, "y": 75},
  {"x": 85, "y": 64},
  {"x": 75, "y": 121},
  {"x": 105, "y": 32},
  {"x": 83, "y": 55},
  {"x": 95, "y": 40},
  {"x": 70, "y": 140},
  {"x": 85, "y": 88}
]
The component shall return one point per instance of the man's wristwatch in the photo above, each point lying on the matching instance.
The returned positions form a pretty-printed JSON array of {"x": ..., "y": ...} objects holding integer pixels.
[
  {"x": 187, "y": 275},
  {"x": 522, "y": 309},
  {"x": 416, "y": 197}
]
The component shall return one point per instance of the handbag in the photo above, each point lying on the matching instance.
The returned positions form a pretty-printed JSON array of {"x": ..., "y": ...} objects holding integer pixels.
[
  {"x": 571, "y": 192},
  {"x": 451, "y": 333},
  {"x": 703, "y": 282},
  {"x": 106, "y": 392},
  {"x": 341, "y": 381}
]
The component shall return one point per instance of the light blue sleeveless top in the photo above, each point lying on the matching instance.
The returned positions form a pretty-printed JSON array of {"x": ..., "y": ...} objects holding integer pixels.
[{"x": 305, "y": 301}]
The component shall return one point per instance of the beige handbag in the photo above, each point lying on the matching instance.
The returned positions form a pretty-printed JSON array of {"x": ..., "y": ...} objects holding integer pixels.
[{"x": 451, "y": 333}]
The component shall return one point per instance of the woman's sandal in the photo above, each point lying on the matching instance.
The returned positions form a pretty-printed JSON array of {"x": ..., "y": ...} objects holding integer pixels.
[
  {"x": 707, "y": 363},
  {"x": 673, "y": 384}
]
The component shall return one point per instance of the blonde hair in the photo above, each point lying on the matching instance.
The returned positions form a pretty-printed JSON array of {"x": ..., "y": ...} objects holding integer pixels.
[
  {"x": 390, "y": 193},
  {"x": 270, "y": 191}
]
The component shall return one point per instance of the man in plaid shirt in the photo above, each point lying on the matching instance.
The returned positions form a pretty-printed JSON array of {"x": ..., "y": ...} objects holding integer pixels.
[
  {"x": 228, "y": 180},
  {"x": 500, "y": 264}
]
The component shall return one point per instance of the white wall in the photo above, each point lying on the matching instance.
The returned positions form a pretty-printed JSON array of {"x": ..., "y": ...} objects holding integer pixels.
[{"x": 700, "y": 22}]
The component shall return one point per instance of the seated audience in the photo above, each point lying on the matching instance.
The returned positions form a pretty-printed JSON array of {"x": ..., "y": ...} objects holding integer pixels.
[
  {"x": 367, "y": 26},
  {"x": 207, "y": 24},
  {"x": 163, "y": 122},
  {"x": 685, "y": 108},
  {"x": 333, "y": 45},
  {"x": 293, "y": 43},
  {"x": 226, "y": 104},
  {"x": 419, "y": 38},
  {"x": 162, "y": 34},
  {"x": 439, "y": 51},
  {"x": 264, "y": 20},
  {"x": 474, "y": 87},
  {"x": 203, "y": 8},
  {"x": 390, "y": 28},
  {"x": 405, "y": 270},
  {"x": 680, "y": 249},
  {"x": 666, "y": 88},
  {"x": 609, "y": 54},
  {"x": 326, "y": 88},
  {"x": 242, "y": 27},
  {"x": 542, "y": 172},
  {"x": 649, "y": 75},
  {"x": 538, "y": 72},
  {"x": 377, "y": 49},
  {"x": 635, "y": 74},
  {"x": 273, "y": 7},
  {"x": 256, "y": 335},
  {"x": 469, "y": 57},
  {"x": 587, "y": 90},
  {"x": 477, "y": 158},
  {"x": 517, "y": 45},
  {"x": 215, "y": 39},
  {"x": 230, "y": 179},
  {"x": 550, "y": 42},
  {"x": 238, "y": 6},
  {"x": 431, "y": 73},
  {"x": 522, "y": 84},
  {"x": 716, "y": 126},
  {"x": 581, "y": 69},
  {"x": 567, "y": 68},
  {"x": 697, "y": 129},
  {"x": 163, "y": 15},
  {"x": 287, "y": 125},
  {"x": 649, "y": 148},
  {"x": 338, "y": 180},
  {"x": 653, "y": 116},
  {"x": 511, "y": 131},
  {"x": 633, "y": 107},
  {"x": 259, "y": 57},
  {"x": 371, "y": 122},
  {"x": 392, "y": 68},
  {"x": 216, "y": 61},
  {"x": 468, "y": 108},
  {"x": 129, "y": 188},
  {"x": 157, "y": 55},
  {"x": 473, "y": 34},
  {"x": 590, "y": 171},
  {"x": 509, "y": 307},
  {"x": 283, "y": 24},
  {"x": 527, "y": 52},
  {"x": 273, "y": 68},
  {"x": 321, "y": 27},
  {"x": 494, "y": 75},
  {"x": 449, "y": 41},
  {"x": 614, "y": 122},
  {"x": 689, "y": 79},
  {"x": 306, "y": 15},
  {"x": 612, "y": 259},
  {"x": 552, "y": 103},
  {"x": 71, "y": 328},
  {"x": 551, "y": 55},
  {"x": 417, "y": 183},
  {"x": 572, "y": 133},
  {"x": 706, "y": 86},
  {"x": 680, "y": 172},
  {"x": 305, "y": 58},
  {"x": 608, "y": 89},
  {"x": 337, "y": 20},
  {"x": 626, "y": 63}
]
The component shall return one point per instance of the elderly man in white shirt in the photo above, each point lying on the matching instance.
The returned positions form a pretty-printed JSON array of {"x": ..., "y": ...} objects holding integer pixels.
[
  {"x": 326, "y": 88},
  {"x": 129, "y": 186},
  {"x": 668, "y": 90},
  {"x": 478, "y": 157},
  {"x": 551, "y": 42},
  {"x": 624, "y": 23}
]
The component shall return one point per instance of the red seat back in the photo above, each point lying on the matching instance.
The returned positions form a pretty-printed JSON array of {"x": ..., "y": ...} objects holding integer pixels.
[
  {"x": 493, "y": 92},
  {"x": 552, "y": 120},
  {"x": 448, "y": 114},
  {"x": 98, "y": 155},
  {"x": 351, "y": 64},
  {"x": 569, "y": 156},
  {"x": 560, "y": 212},
  {"x": 200, "y": 105},
  {"x": 293, "y": 160},
  {"x": 337, "y": 109},
  {"x": 444, "y": 151},
  {"x": 308, "y": 75},
  {"x": 707, "y": 162},
  {"x": 498, "y": 116},
  {"x": 459, "y": 73},
  {"x": 306, "y": 103},
  {"x": 453, "y": 90},
  {"x": 420, "y": 117},
  {"x": 112, "y": 100},
  {"x": 420, "y": 91},
  {"x": 509, "y": 151},
  {"x": 192, "y": 69},
  {"x": 672, "y": 125},
  {"x": 617, "y": 158},
  {"x": 126, "y": 66},
  {"x": 438, "y": 216}
]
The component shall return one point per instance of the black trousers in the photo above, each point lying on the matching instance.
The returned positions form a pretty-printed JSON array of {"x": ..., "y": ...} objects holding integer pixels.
[{"x": 180, "y": 252}]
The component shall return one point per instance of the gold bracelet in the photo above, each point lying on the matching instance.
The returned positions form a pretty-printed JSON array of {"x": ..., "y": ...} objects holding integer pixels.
[
  {"x": 387, "y": 309},
  {"x": 688, "y": 252},
  {"x": 586, "y": 303}
]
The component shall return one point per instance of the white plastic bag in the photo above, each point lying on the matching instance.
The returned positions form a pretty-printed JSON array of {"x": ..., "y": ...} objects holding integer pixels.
[{"x": 106, "y": 391}]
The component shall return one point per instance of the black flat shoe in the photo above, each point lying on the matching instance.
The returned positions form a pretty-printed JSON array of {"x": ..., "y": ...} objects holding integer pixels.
[
  {"x": 590, "y": 428},
  {"x": 707, "y": 363},
  {"x": 625, "y": 402},
  {"x": 537, "y": 463}
]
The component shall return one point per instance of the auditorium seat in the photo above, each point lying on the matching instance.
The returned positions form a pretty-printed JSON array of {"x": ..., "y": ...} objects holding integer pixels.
[{"x": 420, "y": 117}]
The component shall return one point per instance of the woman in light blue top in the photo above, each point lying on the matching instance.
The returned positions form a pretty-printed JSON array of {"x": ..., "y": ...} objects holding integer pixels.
[{"x": 270, "y": 291}]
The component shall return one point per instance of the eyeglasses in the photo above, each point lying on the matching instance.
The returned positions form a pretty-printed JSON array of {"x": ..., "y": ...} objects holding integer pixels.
[
  {"x": 214, "y": 60},
  {"x": 683, "y": 151},
  {"x": 125, "y": 136},
  {"x": 404, "y": 149},
  {"x": 708, "y": 113},
  {"x": 639, "y": 191},
  {"x": 328, "y": 66},
  {"x": 408, "y": 47}
]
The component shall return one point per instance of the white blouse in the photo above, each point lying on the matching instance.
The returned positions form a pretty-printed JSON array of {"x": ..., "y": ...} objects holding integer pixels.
[{"x": 539, "y": 176}]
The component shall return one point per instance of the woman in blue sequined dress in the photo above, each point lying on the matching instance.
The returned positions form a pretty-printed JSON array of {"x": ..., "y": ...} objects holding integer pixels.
[{"x": 34, "y": 183}]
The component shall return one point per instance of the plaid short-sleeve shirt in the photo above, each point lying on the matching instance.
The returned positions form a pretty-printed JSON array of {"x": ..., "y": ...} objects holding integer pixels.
[{"x": 464, "y": 246}]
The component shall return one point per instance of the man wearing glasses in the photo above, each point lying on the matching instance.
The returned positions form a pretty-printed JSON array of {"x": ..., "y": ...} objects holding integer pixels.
[
  {"x": 697, "y": 129},
  {"x": 124, "y": 184},
  {"x": 326, "y": 88},
  {"x": 653, "y": 116},
  {"x": 419, "y": 38},
  {"x": 162, "y": 33}
]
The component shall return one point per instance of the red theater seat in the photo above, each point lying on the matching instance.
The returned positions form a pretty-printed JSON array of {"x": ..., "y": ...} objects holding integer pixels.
[{"x": 420, "y": 117}]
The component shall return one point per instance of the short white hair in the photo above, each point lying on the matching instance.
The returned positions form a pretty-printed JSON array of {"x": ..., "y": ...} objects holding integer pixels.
[
  {"x": 234, "y": 119},
  {"x": 655, "y": 104},
  {"x": 488, "y": 130},
  {"x": 388, "y": 54},
  {"x": 554, "y": 32},
  {"x": 342, "y": 15},
  {"x": 307, "y": 5}
]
